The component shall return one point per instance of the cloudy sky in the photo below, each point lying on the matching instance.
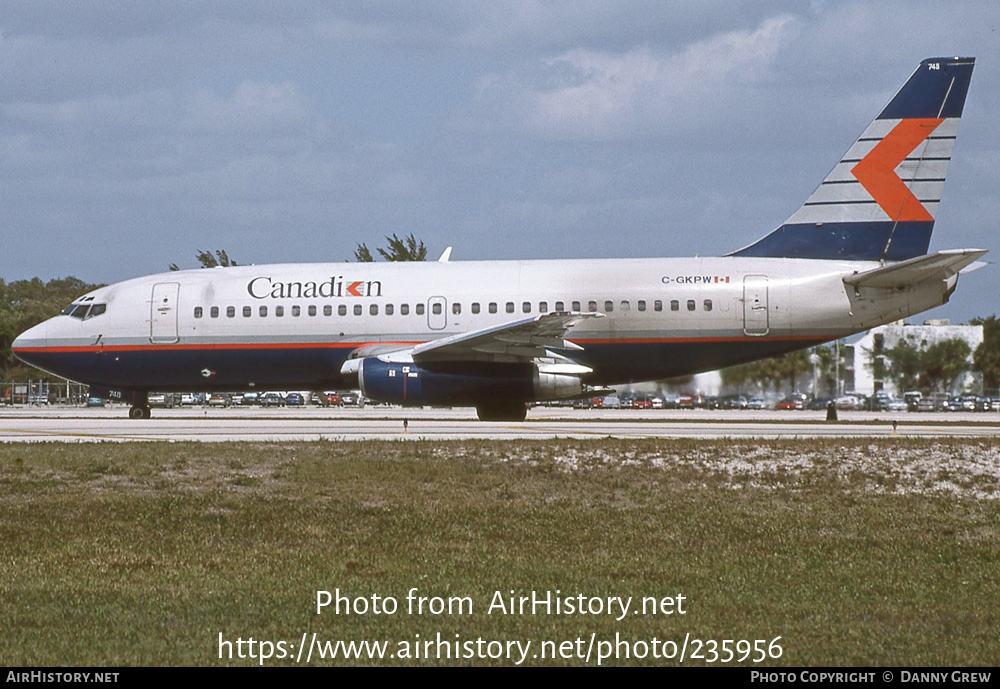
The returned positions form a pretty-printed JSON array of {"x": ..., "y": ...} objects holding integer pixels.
[{"x": 134, "y": 134}]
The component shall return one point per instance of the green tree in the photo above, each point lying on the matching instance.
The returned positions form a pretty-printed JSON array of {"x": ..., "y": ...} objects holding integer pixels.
[
  {"x": 209, "y": 260},
  {"x": 770, "y": 372},
  {"x": 944, "y": 361},
  {"x": 986, "y": 358},
  {"x": 408, "y": 248},
  {"x": 905, "y": 365},
  {"x": 25, "y": 303},
  {"x": 363, "y": 255}
]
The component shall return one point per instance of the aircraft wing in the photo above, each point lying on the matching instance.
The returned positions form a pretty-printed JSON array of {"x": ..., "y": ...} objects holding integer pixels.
[
  {"x": 521, "y": 340},
  {"x": 937, "y": 266}
]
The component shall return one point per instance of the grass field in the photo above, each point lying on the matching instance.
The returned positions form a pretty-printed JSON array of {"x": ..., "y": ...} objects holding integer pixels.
[{"x": 853, "y": 552}]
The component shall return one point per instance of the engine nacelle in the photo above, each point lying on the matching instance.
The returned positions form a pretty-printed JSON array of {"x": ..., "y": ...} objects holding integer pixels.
[
  {"x": 464, "y": 384},
  {"x": 556, "y": 385}
]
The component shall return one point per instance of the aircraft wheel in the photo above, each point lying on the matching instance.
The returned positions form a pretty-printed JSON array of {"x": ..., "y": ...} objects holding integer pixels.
[
  {"x": 502, "y": 411},
  {"x": 138, "y": 413}
]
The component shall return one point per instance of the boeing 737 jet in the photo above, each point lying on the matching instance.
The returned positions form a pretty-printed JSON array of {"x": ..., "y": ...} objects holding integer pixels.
[{"x": 498, "y": 335}]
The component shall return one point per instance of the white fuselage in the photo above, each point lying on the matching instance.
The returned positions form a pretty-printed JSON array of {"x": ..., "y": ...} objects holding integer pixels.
[{"x": 293, "y": 325}]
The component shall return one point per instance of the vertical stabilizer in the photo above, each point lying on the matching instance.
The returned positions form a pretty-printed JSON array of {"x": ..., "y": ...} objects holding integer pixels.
[{"x": 880, "y": 201}]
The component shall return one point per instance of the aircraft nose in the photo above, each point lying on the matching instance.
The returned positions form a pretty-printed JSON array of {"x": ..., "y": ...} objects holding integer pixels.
[{"x": 30, "y": 340}]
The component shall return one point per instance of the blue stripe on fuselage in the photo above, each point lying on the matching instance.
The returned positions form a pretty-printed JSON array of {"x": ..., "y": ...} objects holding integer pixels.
[{"x": 218, "y": 369}]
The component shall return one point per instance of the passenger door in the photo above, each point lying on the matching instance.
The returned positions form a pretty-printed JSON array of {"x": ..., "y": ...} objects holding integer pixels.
[
  {"x": 163, "y": 313},
  {"x": 755, "y": 311}
]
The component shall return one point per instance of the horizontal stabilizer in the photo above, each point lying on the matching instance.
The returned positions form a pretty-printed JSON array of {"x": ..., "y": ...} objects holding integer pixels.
[{"x": 938, "y": 266}]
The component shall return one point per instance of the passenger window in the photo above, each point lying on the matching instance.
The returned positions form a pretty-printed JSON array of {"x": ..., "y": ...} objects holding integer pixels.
[
  {"x": 592, "y": 306},
  {"x": 493, "y": 307},
  {"x": 312, "y": 309},
  {"x": 197, "y": 312},
  {"x": 609, "y": 306},
  {"x": 543, "y": 307},
  {"x": 475, "y": 307},
  {"x": 214, "y": 313},
  {"x": 690, "y": 304},
  {"x": 641, "y": 304},
  {"x": 560, "y": 306},
  {"x": 373, "y": 309},
  {"x": 342, "y": 310},
  {"x": 526, "y": 307},
  {"x": 576, "y": 306},
  {"x": 327, "y": 310},
  {"x": 357, "y": 309},
  {"x": 296, "y": 311},
  {"x": 657, "y": 305},
  {"x": 626, "y": 307},
  {"x": 420, "y": 309},
  {"x": 708, "y": 304},
  {"x": 436, "y": 308},
  {"x": 247, "y": 311},
  {"x": 263, "y": 312},
  {"x": 230, "y": 312},
  {"x": 389, "y": 309},
  {"x": 279, "y": 311},
  {"x": 404, "y": 309},
  {"x": 675, "y": 305},
  {"x": 510, "y": 307},
  {"x": 456, "y": 308}
]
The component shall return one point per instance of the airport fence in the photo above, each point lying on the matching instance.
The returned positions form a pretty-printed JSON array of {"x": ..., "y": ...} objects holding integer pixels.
[{"x": 42, "y": 392}]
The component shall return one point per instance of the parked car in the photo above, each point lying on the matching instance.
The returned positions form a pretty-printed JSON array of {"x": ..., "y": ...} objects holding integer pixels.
[
  {"x": 294, "y": 399},
  {"x": 895, "y": 404},
  {"x": 160, "y": 399},
  {"x": 848, "y": 402},
  {"x": 963, "y": 403},
  {"x": 734, "y": 402},
  {"x": 756, "y": 403},
  {"x": 219, "y": 399},
  {"x": 272, "y": 399},
  {"x": 794, "y": 401}
]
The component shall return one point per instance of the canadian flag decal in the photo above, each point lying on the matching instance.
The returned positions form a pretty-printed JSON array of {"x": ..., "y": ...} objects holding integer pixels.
[{"x": 877, "y": 170}]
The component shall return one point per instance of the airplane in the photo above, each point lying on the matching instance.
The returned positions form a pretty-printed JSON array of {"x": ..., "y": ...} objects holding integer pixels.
[{"x": 498, "y": 335}]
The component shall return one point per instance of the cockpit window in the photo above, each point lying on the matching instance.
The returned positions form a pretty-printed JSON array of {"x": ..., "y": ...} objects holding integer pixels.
[{"x": 84, "y": 311}]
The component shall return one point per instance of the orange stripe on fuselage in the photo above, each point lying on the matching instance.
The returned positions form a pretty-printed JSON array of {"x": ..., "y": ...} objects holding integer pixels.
[{"x": 355, "y": 345}]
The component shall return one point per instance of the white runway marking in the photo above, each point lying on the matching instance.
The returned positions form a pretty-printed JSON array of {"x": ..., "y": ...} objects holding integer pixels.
[{"x": 383, "y": 423}]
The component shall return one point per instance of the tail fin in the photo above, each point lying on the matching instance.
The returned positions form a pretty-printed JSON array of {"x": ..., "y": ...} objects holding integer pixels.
[{"x": 879, "y": 202}]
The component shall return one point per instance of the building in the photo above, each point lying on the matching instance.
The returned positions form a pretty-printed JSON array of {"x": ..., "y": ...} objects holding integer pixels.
[{"x": 885, "y": 337}]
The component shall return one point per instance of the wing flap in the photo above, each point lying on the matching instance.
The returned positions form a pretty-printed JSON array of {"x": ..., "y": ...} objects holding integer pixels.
[{"x": 520, "y": 340}]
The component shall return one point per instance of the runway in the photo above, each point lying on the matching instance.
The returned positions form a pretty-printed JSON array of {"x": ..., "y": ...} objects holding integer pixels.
[{"x": 211, "y": 425}]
